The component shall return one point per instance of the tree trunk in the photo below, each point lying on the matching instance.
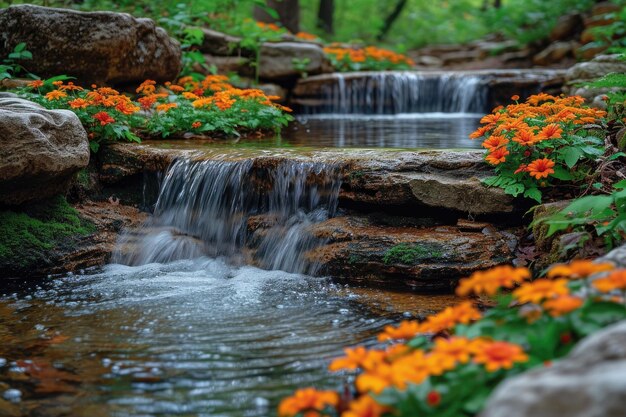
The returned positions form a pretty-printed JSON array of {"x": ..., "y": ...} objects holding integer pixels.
[
  {"x": 389, "y": 21},
  {"x": 325, "y": 16},
  {"x": 497, "y": 4},
  {"x": 288, "y": 13}
]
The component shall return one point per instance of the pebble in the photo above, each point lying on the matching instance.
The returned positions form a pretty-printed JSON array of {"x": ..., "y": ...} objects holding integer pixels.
[{"x": 13, "y": 395}]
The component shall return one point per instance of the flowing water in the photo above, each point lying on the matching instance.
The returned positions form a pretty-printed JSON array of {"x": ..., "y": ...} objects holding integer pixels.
[
  {"x": 402, "y": 93},
  {"x": 210, "y": 308}
]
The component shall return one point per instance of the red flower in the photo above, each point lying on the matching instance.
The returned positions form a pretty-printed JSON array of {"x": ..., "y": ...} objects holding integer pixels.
[
  {"x": 433, "y": 398},
  {"x": 104, "y": 118}
]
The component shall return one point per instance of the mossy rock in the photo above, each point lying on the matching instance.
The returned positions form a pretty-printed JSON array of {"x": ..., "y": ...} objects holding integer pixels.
[
  {"x": 412, "y": 254},
  {"x": 33, "y": 238}
]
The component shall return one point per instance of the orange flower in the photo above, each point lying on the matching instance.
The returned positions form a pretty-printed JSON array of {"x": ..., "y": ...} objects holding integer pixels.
[
  {"x": 462, "y": 313},
  {"x": 536, "y": 291},
  {"x": 126, "y": 108},
  {"x": 480, "y": 132},
  {"x": 55, "y": 95},
  {"x": 525, "y": 137},
  {"x": 458, "y": 349},
  {"x": 365, "y": 406},
  {"x": 490, "y": 281},
  {"x": 615, "y": 281},
  {"x": 498, "y": 355},
  {"x": 147, "y": 87},
  {"x": 306, "y": 36},
  {"x": 196, "y": 125},
  {"x": 495, "y": 142},
  {"x": 307, "y": 399},
  {"x": 78, "y": 103},
  {"x": 515, "y": 97},
  {"x": 491, "y": 119},
  {"x": 538, "y": 98},
  {"x": 551, "y": 131},
  {"x": 358, "y": 357},
  {"x": 405, "y": 330},
  {"x": 166, "y": 107},
  {"x": 176, "y": 88},
  {"x": 579, "y": 269},
  {"x": 36, "y": 84},
  {"x": 497, "y": 156},
  {"x": 521, "y": 168},
  {"x": 71, "y": 87},
  {"x": 562, "y": 305},
  {"x": 190, "y": 96},
  {"x": 104, "y": 118},
  {"x": 541, "y": 168}
]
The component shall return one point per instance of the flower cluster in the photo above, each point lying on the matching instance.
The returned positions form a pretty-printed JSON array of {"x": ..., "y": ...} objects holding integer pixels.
[
  {"x": 368, "y": 58},
  {"x": 538, "y": 141},
  {"x": 448, "y": 363},
  {"x": 210, "y": 106}
]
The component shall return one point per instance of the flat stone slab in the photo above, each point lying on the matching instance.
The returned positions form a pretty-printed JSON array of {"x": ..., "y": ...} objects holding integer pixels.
[{"x": 449, "y": 180}]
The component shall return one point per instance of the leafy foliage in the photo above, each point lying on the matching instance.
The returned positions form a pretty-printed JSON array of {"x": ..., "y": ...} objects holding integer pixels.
[
  {"x": 211, "y": 106},
  {"x": 537, "y": 143},
  {"x": 10, "y": 68},
  {"x": 597, "y": 215},
  {"x": 449, "y": 363}
]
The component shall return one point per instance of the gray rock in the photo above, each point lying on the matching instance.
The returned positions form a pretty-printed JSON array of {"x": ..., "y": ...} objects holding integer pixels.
[
  {"x": 95, "y": 47},
  {"x": 277, "y": 59},
  {"x": 555, "y": 52},
  {"x": 596, "y": 68},
  {"x": 40, "y": 150},
  {"x": 218, "y": 43},
  {"x": 617, "y": 256},
  {"x": 589, "y": 382},
  {"x": 463, "y": 194}
]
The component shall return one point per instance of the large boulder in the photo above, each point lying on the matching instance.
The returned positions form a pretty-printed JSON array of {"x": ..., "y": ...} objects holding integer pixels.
[
  {"x": 40, "y": 150},
  {"x": 589, "y": 382},
  {"x": 278, "y": 60},
  {"x": 590, "y": 71},
  {"x": 95, "y": 47}
]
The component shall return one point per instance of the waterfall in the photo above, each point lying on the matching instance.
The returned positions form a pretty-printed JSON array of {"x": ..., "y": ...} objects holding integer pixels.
[
  {"x": 236, "y": 209},
  {"x": 403, "y": 92}
]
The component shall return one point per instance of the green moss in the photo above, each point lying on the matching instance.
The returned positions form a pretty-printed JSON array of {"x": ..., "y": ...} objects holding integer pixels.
[
  {"x": 83, "y": 177},
  {"x": 412, "y": 254},
  {"x": 27, "y": 236}
]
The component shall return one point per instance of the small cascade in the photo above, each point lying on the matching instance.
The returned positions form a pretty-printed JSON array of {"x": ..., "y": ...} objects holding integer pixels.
[
  {"x": 239, "y": 210},
  {"x": 403, "y": 92}
]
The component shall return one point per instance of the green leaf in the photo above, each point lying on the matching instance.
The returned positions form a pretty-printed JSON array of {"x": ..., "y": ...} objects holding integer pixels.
[
  {"x": 514, "y": 189},
  {"x": 20, "y": 47},
  {"x": 571, "y": 155},
  {"x": 533, "y": 193},
  {"x": 562, "y": 174},
  {"x": 94, "y": 146},
  {"x": 616, "y": 155}
]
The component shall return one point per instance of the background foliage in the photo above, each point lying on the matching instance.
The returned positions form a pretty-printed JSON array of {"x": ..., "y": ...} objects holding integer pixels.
[{"x": 362, "y": 20}]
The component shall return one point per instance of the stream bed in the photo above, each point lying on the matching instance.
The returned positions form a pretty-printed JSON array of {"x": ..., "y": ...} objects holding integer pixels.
[{"x": 189, "y": 338}]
